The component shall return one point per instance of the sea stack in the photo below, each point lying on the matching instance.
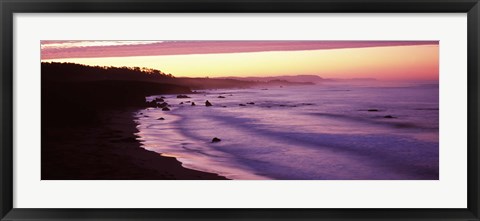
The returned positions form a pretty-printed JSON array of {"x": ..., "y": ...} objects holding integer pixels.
[
  {"x": 208, "y": 104},
  {"x": 162, "y": 105},
  {"x": 182, "y": 96}
]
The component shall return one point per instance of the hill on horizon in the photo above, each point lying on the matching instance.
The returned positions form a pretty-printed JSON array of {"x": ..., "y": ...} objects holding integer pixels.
[{"x": 291, "y": 78}]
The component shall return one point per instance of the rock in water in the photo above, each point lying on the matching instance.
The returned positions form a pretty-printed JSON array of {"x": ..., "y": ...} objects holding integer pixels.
[
  {"x": 161, "y": 118},
  {"x": 372, "y": 110},
  {"x": 181, "y": 102},
  {"x": 216, "y": 140},
  {"x": 251, "y": 103},
  {"x": 242, "y": 105},
  {"x": 193, "y": 103},
  {"x": 389, "y": 116},
  {"x": 165, "y": 109},
  {"x": 182, "y": 96},
  {"x": 221, "y": 97},
  {"x": 208, "y": 104},
  {"x": 151, "y": 104},
  {"x": 162, "y": 105}
]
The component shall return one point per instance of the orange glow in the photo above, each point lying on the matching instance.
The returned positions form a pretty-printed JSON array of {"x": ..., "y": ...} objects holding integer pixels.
[{"x": 420, "y": 62}]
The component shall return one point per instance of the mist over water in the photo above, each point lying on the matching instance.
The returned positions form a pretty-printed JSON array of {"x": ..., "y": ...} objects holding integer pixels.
[{"x": 307, "y": 132}]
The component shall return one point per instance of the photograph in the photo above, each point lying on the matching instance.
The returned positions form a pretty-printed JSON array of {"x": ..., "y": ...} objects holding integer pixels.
[{"x": 239, "y": 109}]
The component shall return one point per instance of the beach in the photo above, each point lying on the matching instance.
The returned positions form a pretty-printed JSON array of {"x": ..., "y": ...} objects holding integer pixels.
[
  {"x": 88, "y": 133},
  {"x": 108, "y": 150}
]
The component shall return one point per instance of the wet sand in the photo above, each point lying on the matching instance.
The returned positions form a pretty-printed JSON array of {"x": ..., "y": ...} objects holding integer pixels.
[{"x": 107, "y": 150}]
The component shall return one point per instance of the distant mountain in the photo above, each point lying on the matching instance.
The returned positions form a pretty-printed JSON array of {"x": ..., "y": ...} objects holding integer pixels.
[
  {"x": 353, "y": 79},
  {"x": 304, "y": 79},
  {"x": 289, "y": 78}
]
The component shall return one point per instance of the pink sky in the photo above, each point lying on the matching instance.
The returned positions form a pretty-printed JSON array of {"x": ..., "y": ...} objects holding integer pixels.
[
  {"x": 95, "y": 49},
  {"x": 389, "y": 60}
]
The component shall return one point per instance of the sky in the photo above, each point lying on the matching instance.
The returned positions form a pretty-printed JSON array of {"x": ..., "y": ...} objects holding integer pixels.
[{"x": 382, "y": 60}]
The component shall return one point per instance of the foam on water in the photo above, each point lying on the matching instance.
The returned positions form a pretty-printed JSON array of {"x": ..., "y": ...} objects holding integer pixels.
[{"x": 308, "y": 132}]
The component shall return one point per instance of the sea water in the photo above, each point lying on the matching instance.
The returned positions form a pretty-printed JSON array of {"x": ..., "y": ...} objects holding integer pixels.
[{"x": 320, "y": 132}]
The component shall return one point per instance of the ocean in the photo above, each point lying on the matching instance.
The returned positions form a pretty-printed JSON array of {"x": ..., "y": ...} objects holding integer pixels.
[{"x": 315, "y": 132}]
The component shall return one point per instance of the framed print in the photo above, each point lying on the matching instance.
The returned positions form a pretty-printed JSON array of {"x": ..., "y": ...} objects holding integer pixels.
[{"x": 261, "y": 110}]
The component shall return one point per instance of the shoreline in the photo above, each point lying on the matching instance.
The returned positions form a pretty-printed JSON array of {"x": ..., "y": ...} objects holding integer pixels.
[{"x": 109, "y": 150}]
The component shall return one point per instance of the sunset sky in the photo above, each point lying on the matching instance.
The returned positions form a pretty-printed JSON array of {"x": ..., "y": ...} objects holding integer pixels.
[{"x": 383, "y": 60}]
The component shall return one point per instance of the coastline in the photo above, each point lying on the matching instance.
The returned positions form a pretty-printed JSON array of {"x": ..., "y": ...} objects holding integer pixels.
[
  {"x": 108, "y": 151},
  {"x": 89, "y": 130}
]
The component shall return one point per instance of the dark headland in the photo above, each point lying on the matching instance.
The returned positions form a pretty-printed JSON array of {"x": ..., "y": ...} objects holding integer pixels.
[{"x": 88, "y": 127}]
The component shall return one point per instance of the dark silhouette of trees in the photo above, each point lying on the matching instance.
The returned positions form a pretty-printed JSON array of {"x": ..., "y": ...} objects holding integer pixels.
[
  {"x": 71, "y": 72},
  {"x": 55, "y": 71}
]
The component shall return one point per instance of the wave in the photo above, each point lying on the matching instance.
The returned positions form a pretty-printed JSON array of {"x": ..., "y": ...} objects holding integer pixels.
[
  {"x": 290, "y": 134},
  {"x": 396, "y": 153}
]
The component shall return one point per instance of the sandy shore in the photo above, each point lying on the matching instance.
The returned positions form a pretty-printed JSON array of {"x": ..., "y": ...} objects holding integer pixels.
[{"x": 107, "y": 150}]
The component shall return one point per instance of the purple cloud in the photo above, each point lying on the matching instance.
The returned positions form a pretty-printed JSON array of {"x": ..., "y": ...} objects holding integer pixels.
[{"x": 92, "y": 49}]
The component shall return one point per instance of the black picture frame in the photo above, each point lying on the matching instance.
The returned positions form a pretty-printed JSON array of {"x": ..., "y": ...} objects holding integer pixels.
[{"x": 9, "y": 7}]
